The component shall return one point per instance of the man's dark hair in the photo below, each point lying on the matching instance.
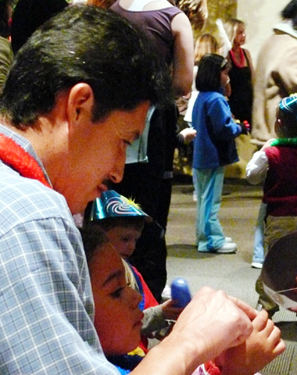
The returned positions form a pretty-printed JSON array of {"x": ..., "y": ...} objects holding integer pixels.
[
  {"x": 209, "y": 72},
  {"x": 83, "y": 44}
]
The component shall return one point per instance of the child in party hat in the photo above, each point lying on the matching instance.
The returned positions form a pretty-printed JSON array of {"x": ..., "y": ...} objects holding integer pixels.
[
  {"x": 275, "y": 165},
  {"x": 117, "y": 306},
  {"x": 123, "y": 221}
]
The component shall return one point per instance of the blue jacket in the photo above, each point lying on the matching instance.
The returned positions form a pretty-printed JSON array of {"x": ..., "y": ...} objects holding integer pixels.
[{"x": 214, "y": 144}]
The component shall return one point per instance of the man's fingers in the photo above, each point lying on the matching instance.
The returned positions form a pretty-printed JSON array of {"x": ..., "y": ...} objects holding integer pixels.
[{"x": 247, "y": 309}]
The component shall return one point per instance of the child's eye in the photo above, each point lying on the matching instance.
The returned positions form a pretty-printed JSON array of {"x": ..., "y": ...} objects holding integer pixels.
[{"x": 117, "y": 293}]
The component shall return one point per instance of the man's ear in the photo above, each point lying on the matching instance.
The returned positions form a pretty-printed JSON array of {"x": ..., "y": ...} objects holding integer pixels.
[{"x": 80, "y": 104}]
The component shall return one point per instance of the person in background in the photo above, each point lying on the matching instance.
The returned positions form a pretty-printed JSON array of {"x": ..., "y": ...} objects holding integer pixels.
[
  {"x": 276, "y": 74},
  {"x": 204, "y": 44},
  {"x": 241, "y": 73},
  {"x": 214, "y": 148},
  {"x": 6, "y": 54},
  {"x": 275, "y": 165},
  {"x": 28, "y": 15},
  {"x": 149, "y": 183},
  {"x": 258, "y": 253},
  {"x": 118, "y": 318}
]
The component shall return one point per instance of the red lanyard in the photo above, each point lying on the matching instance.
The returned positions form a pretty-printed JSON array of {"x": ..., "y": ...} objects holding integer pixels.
[{"x": 17, "y": 158}]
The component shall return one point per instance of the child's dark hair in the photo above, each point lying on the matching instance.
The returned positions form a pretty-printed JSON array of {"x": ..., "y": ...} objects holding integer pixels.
[
  {"x": 135, "y": 222},
  {"x": 93, "y": 238},
  {"x": 209, "y": 72},
  {"x": 288, "y": 128}
]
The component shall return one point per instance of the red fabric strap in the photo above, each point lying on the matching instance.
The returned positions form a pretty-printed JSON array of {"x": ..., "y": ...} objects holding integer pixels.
[{"x": 17, "y": 158}]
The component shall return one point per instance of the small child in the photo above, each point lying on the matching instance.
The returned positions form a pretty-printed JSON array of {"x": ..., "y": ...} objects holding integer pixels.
[
  {"x": 275, "y": 164},
  {"x": 214, "y": 148},
  {"x": 123, "y": 221},
  {"x": 118, "y": 317}
]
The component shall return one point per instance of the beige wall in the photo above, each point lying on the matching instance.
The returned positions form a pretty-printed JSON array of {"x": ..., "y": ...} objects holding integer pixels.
[{"x": 260, "y": 16}]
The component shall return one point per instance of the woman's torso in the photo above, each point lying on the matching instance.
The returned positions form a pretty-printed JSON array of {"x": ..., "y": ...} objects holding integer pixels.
[{"x": 155, "y": 23}]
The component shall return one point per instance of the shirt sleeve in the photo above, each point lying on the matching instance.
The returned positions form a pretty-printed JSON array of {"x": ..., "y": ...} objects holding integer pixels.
[
  {"x": 223, "y": 126},
  {"x": 257, "y": 167},
  {"x": 46, "y": 302},
  {"x": 153, "y": 320}
]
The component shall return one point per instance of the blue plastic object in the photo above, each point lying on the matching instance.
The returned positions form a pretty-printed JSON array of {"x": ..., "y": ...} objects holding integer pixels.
[{"x": 180, "y": 292}]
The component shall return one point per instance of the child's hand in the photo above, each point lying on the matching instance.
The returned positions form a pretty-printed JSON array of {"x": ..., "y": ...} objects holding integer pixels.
[
  {"x": 169, "y": 311},
  {"x": 262, "y": 346},
  {"x": 245, "y": 127},
  {"x": 189, "y": 134}
]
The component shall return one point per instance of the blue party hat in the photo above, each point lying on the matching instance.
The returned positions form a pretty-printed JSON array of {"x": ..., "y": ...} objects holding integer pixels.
[
  {"x": 289, "y": 104},
  {"x": 112, "y": 204}
]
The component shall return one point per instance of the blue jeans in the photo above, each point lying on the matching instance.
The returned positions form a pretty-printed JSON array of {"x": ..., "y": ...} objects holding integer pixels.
[
  {"x": 258, "y": 255},
  {"x": 208, "y": 184}
]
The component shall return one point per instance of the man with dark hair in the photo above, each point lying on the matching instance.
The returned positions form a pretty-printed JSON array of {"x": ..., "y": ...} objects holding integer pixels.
[{"x": 77, "y": 94}]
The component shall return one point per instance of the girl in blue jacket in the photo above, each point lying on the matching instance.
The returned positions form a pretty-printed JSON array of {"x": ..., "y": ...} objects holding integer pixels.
[{"x": 214, "y": 148}]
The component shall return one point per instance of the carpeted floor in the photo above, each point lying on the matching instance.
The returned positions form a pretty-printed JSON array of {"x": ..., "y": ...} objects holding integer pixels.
[{"x": 233, "y": 272}]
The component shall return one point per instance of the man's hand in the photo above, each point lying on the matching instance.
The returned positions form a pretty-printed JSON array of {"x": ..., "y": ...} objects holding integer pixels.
[
  {"x": 261, "y": 347},
  {"x": 214, "y": 322}
]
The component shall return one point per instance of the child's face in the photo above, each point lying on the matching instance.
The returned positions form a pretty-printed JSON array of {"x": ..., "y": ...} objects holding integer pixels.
[
  {"x": 239, "y": 35},
  {"x": 117, "y": 313},
  {"x": 124, "y": 240}
]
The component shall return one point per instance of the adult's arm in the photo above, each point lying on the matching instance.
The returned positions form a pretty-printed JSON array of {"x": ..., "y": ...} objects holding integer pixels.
[
  {"x": 46, "y": 304},
  {"x": 183, "y": 56},
  {"x": 211, "y": 323}
]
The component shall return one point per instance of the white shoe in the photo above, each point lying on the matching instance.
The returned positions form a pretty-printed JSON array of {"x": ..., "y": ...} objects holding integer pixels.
[
  {"x": 227, "y": 248},
  {"x": 227, "y": 239},
  {"x": 256, "y": 265},
  {"x": 166, "y": 294}
]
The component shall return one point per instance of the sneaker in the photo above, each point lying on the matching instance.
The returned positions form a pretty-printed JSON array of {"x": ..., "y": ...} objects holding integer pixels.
[
  {"x": 166, "y": 294},
  {"x": 256, "y": 265},
  {"x": 227, "y": 248},
  {"x": 227, "y": 239}
]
